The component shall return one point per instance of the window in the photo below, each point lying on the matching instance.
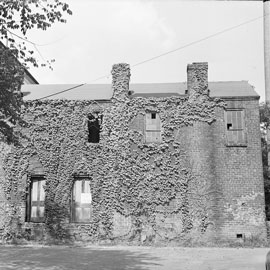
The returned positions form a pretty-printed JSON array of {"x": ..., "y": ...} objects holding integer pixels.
[
  {"x": 235, "y": 127},
  {"x": 81, "y": 206},
  {"x": 94, "y": 123},
  {"x": 35, "y": 200},
  {"x": 152, "y": 128}
]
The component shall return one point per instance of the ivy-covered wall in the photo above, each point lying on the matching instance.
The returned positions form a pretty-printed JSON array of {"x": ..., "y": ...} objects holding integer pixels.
[{"x": 140, "y": 191}]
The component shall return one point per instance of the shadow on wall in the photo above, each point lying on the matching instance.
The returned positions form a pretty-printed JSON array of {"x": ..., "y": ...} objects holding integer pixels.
[{"x": 65, "y": 258}]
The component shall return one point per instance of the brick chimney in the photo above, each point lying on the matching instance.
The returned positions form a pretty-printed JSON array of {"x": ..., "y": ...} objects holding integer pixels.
[
  {"x": 197, "y": 78},
  {"x": 120, "y": 81}
]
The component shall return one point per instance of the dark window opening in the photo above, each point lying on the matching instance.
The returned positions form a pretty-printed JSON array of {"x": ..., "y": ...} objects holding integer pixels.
[
  {"x": 239, "y": 235},
  {"x": 153, "y": 116},
  {"x": 94, "y": 125},
  {"x": 229, "y": 126}
]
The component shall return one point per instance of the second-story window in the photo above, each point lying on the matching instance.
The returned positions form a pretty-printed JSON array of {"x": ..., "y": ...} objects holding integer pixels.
[
  {"x": 152, "y": 128},
  {"x": 94, "y": 125},
  {"x": 235, "y": 127}
]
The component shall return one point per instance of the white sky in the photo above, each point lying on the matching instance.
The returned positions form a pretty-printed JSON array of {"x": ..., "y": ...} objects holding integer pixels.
[{"x": 102, "y": 33}]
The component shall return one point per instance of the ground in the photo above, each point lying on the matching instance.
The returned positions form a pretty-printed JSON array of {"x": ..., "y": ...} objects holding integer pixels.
[{"x": 127, "y": 257}]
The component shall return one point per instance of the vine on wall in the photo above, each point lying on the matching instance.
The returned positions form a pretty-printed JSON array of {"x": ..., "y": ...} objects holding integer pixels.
[{"x": 135, "y": 179}]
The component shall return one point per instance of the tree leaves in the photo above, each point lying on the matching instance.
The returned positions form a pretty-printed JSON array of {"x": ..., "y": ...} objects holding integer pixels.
[
  {"x": 25, "y": 15},
  {"x": 11, "y": 78}
]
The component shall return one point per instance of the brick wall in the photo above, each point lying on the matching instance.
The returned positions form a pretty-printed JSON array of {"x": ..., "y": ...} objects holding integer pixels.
[
  {"x": 239, "y": 176},
  {"x": 229, "y": 181}
]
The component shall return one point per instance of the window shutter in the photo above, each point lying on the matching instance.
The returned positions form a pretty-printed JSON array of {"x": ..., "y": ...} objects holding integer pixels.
[
  {"x": 235, "y": 127},
  {"x": 152, "y": 128}
]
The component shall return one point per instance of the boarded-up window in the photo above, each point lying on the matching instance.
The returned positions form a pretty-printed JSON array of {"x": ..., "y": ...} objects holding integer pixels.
[
  {"x": 235, "y": 127},
  {"x": 81, "y": 201},
  {"x": 35, "y": 201},
  {"x": 152, "y": 128}
]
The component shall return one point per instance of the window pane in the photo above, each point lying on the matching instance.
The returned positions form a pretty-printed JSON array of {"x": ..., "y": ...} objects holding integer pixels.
[
  {"x": 41, "y": 211},
  {"x": 78, "y": 214},
  {"x": 87, "y": 186},
  {"x": 77, "y": 191},
  {"x": 86, "y": 198},
  {"x": 42, "y": 191},
  {"x": 85, "y": 213},
  {"x": 34, "y": 192},
  {"x": 34, "y": 211}
]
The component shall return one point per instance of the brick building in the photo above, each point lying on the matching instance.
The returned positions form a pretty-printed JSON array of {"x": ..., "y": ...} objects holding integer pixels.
[{"x": 147, "y": 162}]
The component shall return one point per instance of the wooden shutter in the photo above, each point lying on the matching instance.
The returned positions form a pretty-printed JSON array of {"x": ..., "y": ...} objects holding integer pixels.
[
  {"x": 235, "y": 127},
  {"x": 81, "y": 201},
  {"x": 152, "y": 128}
]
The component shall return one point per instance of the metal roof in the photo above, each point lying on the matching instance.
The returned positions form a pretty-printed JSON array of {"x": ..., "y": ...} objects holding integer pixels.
[{"x": 104, "y": 91}]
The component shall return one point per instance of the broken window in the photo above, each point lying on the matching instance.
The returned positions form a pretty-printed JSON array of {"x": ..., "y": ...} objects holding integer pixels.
[
  {"x": 35, "y": 200},
  {"x": 94, "y": 125},
  {"x": 235, "y": 127},
  {"x": 81, "y": 205},
  {"x": 152, "y": 128}
]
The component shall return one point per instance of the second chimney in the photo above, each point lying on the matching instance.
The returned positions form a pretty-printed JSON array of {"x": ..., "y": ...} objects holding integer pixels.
[{"x": 197, "y": 78}]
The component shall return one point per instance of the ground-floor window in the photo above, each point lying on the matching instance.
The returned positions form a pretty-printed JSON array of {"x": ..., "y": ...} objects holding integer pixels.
[
  {"x": 81, "y": 203},
  {"x": 35, "y": 200}
]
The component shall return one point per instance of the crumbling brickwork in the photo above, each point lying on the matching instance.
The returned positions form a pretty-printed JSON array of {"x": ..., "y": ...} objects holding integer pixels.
[{"x": 239, "y": 171}]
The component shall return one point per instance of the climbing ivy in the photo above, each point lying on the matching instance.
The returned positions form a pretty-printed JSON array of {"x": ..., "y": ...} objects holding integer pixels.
[{"x": 141, "y": 181}]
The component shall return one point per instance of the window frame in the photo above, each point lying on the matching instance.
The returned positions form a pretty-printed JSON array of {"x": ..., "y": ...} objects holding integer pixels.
[
  {"x": 146, "y": 129},
  {"x": 29, "y": 201},
  {"x": 243, "y": 129},
  {"x": 73, "y": 203}
]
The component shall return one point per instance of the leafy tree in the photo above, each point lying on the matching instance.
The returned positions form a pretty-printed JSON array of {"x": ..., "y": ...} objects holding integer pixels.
[{"x": 17, "y": 18}]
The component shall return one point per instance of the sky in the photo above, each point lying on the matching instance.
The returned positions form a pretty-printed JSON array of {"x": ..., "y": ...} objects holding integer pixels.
[{"x": 105, "y": 32}]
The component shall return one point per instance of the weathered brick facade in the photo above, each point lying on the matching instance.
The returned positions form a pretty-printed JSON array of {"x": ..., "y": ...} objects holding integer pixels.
[{"x": 193, "y": 185}]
